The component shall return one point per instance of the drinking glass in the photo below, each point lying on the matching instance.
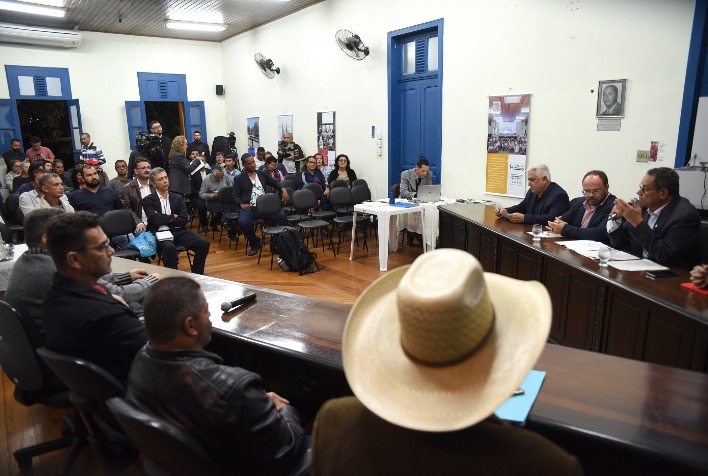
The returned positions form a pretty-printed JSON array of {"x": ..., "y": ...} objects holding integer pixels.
[
  {"x": 536, "y": 230},
  {"x": 604, "y": 254}
]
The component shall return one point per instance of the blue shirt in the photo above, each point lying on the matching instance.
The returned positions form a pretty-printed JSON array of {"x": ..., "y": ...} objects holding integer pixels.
[{"x": 100, "y": 202}]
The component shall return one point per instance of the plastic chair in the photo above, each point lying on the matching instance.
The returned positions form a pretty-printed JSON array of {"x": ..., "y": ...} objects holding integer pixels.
[
  {"x": 319, "y": 214},
  {"x": 230, "y": 218},
  {"x": 90, "y": 386},
  {"x": 303, "y": 201},
  {"x": 360, "y": 181},
  {"x": 269, "y": 204},
  {"x": 120, "y": 223},
  {"x": 341, "y": 197},
  {"x": 163, "y": 444},
  {"x": 33, "y": 384},
  {"x": 15, "y": 216},
  {"x": 289, "y": 183},
  {"x": 338, "y": 183}
]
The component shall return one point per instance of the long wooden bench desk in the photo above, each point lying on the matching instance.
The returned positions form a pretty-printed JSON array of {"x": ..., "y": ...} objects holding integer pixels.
[
  {"x": 615, "y": 312},
  {"x": 618, "y": 416}
]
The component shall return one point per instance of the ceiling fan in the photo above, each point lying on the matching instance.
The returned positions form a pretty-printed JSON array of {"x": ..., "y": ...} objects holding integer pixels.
[
  {"x": 351, "y": 44},
  {"x": 266, "y": 65}
]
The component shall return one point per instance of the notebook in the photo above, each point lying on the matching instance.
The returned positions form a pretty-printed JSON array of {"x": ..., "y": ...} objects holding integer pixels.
[{"x": 429, "y": 193}]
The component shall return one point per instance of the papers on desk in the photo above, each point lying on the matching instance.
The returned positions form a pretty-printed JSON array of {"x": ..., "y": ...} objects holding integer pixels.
[
  {"x": 637, "y": 265},
  {"x": 618, "y": 259},
  {"x": 517, "y": 408},
  {"x": 546, "y": 234}
]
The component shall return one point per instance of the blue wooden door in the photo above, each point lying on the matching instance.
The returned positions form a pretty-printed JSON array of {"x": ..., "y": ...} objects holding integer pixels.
[
  {"x": 415, "y": 106},
  {"x": 9, "y": 123},
  {"x": 135, "y": 114},
  {"x": 195, "y": 119}
]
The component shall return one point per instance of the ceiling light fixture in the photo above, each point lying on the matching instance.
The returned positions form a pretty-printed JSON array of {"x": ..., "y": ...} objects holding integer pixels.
[
  {"x": 194, "y": 26},
  {"x": 33, "y": 9}
]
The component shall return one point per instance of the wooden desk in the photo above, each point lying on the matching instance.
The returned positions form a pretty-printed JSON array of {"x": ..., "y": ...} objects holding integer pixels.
[
  {"x": 618, "y": 416},
  {"x": 604, "y": 310}
]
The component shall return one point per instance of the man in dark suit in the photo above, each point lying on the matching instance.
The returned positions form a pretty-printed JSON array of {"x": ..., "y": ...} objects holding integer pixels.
[
  {"x": 131, "y": 196},
  {"x": 414, "y": 178},
  {"x": 544, "y": 201},
  {"x": 661, "y": 226},
  {"x": 80, "y": 317},
  {"x": 587, "y": 217},
  {"x": 245, "y": 199},
  {"x": 166, "y": 211}
]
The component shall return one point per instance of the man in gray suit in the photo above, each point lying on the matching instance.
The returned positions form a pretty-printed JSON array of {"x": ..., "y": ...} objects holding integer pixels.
[{"x": 413, "y": 178}]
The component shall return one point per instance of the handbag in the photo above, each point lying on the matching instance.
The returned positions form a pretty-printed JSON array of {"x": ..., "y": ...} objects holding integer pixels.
[{"x": 146, "y": 243}]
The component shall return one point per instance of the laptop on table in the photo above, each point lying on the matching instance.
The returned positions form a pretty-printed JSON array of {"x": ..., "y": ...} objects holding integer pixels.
[{"x": 429, "y": 193}]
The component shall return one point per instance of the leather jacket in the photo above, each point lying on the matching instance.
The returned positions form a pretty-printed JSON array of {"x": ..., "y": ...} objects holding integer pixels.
[{"x": 223, "y": 407}]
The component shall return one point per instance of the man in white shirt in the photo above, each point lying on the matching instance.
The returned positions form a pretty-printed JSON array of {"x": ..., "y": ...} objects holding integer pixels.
[
  {"x": 30, "y": 200},
  {"x": 132, "y": 194}
]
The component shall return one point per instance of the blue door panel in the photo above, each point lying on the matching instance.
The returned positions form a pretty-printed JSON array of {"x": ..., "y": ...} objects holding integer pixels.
[
  {"x": 9, "y": 123},
  {"x": 410, "y": 121},
  {"x": 195, "y": 119},
  {"x": 135, "y": 114},
  {"x": 431, "y": 130}
]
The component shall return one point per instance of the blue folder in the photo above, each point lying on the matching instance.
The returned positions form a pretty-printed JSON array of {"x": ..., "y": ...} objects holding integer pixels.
[{"x": 517, "y": 408}]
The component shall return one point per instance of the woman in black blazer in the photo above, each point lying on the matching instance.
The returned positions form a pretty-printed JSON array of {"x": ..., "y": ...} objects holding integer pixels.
[
  {"x": 179, "y": 168},
  {"x": 342, "y": 172}
]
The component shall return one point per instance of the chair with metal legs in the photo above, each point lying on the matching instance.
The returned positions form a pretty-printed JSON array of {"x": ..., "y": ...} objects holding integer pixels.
[
  {"x": 303, "y": 201},
  {"x": 269, "y": 204}
]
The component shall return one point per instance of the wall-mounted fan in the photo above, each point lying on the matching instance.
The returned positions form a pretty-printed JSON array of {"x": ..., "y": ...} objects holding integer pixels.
[
  {"x": 351, "y": 44},
  {"x": 266, "y": 65}
]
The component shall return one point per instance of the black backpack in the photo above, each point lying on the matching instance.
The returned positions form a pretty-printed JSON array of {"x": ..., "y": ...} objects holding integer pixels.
[{"x": 294, "y": 254}]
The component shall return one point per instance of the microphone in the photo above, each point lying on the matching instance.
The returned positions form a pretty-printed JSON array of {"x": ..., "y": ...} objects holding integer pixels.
[{"x": 228, "y": 305}]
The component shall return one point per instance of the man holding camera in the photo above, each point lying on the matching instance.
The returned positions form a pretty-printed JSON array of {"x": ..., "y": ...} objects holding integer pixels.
[{"x": 290, "y": 154}]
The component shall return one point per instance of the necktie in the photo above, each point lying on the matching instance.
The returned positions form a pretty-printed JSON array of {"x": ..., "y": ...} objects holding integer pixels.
[{"x": 417, "y": 183}]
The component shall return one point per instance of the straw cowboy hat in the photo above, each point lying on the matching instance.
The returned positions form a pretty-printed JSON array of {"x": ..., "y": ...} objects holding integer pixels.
[{"x": 439, "y": 345}]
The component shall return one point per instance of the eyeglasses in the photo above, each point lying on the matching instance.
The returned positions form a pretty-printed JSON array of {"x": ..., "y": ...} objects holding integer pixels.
[
  {"x": 100, "y": 248},
  {"x": 644, "y": 189},
  {"x": 594, "y": 191},
  {"x": 342, "y": 160}
]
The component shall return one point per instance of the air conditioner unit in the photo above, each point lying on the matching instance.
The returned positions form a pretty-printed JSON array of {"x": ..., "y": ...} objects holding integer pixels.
[{"x": 31, "y": 35}]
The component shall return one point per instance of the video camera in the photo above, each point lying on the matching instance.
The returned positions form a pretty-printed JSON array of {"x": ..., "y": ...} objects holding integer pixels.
[{"x": 145, "y": 141}]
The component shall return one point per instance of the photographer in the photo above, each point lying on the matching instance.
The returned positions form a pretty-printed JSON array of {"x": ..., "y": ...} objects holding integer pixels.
[
  {"x": 148, "y": 146},
  {"x": 290, "y": 154}
]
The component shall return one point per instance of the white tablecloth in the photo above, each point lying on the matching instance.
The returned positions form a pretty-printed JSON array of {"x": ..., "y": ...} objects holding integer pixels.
[
  {"x": 6, "y": 266},
  {"x": 428, "y": 225}
]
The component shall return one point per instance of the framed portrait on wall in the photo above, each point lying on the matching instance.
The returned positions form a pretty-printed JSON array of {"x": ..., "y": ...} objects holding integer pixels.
[{"x": 611, "y": 97}]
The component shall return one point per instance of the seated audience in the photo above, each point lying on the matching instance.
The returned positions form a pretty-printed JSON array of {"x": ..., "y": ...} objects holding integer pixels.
[
  {"x": 342, "y": 172},
  {"x": 661, "y": 226},
  {"x": 132, "y": 195},
  {"x": 449, "y": 348},
  {"x": 64, "y": 175},
  {"x": 260, "y": 157},
  {"x": 320, "y": 163},
  {"x": 15, "y": 171},
  {"x": 121, "y": 179},
  {"x": 274, "y": 169},
  {"x": 93, "y": 197},
  {"x": 699, "y": 276},
  {"x": 37, "y": 152},
  {"x": 77, "y": 177},
  {"x": 23, "y": 177},
  {"x": 209, "y": 192},
  {"x": 312, "y": 174},
  {"x": 26, "y": 187},
  {"x": 53, "y": 193},
  {"x": 245, "y": 428},
  {"x": 413, "y": 178},
  {"x": 30, "y": 200},
  {"x": 249, "y": 185},
  {"x": 587, "y": 217},
  {"x": 230, "y": 169},
  {"x": 544, "y": 201},
  {"x": 166, "y": 211},
  {"x": 79, "y": 316}
]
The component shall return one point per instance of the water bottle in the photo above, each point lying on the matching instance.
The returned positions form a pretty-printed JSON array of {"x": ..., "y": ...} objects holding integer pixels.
[{"x": 391, "y": 198}]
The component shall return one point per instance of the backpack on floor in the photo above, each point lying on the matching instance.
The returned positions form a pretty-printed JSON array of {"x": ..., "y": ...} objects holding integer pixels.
[{"x": 293, "y": 254}]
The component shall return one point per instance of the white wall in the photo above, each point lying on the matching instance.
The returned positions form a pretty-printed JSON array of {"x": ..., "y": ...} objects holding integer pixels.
[
  {"x": 103, "y": 73},
  {"x": 556, "y": 50}
]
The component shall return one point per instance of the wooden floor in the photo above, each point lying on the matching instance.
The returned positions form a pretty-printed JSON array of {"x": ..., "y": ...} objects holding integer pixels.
[{"x": 341, "y": 281}]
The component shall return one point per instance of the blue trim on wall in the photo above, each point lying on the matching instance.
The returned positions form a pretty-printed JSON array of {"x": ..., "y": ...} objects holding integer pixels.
[
  {"x": 13, "y": 71},
  {"x": 162, "y": 87},
  {"x": 694, "y": 86}
]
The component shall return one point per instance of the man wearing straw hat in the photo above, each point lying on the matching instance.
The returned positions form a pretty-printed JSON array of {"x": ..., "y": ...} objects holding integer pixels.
[{"x": 430, "y": 355}]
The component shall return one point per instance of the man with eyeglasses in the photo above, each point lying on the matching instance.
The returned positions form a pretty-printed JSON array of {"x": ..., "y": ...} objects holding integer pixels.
[
  {"x": 544, "y": 201},
  {"x": 587, "y": 217},
  {"x": 661, "y": 226},
  {"x": 131, "y": 197},
  {"x": 80, "y": 317}
]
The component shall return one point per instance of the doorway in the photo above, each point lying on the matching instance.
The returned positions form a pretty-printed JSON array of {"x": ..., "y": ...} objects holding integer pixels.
[
  {"x": 170, "y": 114},
  {"x": 48, "y": 120},
  {"x": 415, "y": 98}
]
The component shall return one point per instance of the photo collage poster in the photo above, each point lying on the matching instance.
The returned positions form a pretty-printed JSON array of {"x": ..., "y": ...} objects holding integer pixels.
[
  {"x": 507, "y": 139},
  {"x": 326, "y": 144},
  {"x": 254, "y": 135}
]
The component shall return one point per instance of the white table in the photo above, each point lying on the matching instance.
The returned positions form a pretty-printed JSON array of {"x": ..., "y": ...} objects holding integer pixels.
[
  {"x": 426, "y": 223},
  {"x": 388, "y": 237},
  {"x": 6, "y": 266}
]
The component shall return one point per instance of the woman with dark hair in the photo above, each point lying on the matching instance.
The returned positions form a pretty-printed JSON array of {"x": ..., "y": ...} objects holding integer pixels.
[
  {"x": 342, "y": 172},
  {"x": 179, "y": 168},
  {"x": 313, "y": 175}
]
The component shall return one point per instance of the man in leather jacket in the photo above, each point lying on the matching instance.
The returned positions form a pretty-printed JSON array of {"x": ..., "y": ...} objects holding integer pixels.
[{"x": 246, "y": 429}]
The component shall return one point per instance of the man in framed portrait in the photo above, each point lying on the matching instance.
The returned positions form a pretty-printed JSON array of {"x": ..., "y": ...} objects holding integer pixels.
[{"x": 610, "y": 95}]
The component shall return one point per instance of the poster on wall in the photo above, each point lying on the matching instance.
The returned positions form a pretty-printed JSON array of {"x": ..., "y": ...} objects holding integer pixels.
[
  {"x": 254, "y": 135},
  {"x": 326, "y": 144},
  {"x": 507, "y": 125}
]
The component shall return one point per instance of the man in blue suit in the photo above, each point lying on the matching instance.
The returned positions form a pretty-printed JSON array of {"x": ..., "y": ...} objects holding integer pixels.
[
  {"x": 661, "y": 226},
  {"x": 544, "y": 201},
  {"x": 587, "y": 217}
]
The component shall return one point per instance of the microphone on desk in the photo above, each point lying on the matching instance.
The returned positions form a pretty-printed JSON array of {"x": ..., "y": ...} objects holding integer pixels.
[{"x": 227, "y": 306}]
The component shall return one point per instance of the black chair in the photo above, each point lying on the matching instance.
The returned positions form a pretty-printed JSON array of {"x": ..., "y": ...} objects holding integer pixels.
[
  {"x": 360, "y": 181},
  {"x": 321, "y": 214},
  {"x": 396, "y": 189},
  {"x": 34, "y": 384},
  {"x": 338, "y": 183},
  {"x": 15, "y": 216},
  {"x": 289, "y": 183},
  {"x": 162, "y": 443},
  {"x": 290, "y": 177},
  {"x": 90, "y": 386},
  {"x": 361, "y": 194},
  {"x": 294, "y": 216},
  {"x": 269, "y": 204},
  {"x": 120, "y": 223},
  {"x": 303, "y": 201},
  {"x": 230, "y": 218},
  {"x": 341, "y": 198}
]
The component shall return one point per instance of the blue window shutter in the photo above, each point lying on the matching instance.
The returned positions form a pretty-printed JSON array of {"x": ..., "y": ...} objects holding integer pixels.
[
  {"x": 75, "y": 125},
  {"x": 135, "y": 114},
  {"x": 162, "y": 87},
  {"x": 196, "y": 119},
  {"x": 9, "y": 123},
  {"x": 40, "y": 85}
]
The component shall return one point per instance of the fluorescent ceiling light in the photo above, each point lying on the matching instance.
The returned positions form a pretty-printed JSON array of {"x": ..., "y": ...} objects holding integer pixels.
[
  {"x": 201, "y": 17},
  {"x": 33, "y": 9},
  {"x": 185, "y": 25}
]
